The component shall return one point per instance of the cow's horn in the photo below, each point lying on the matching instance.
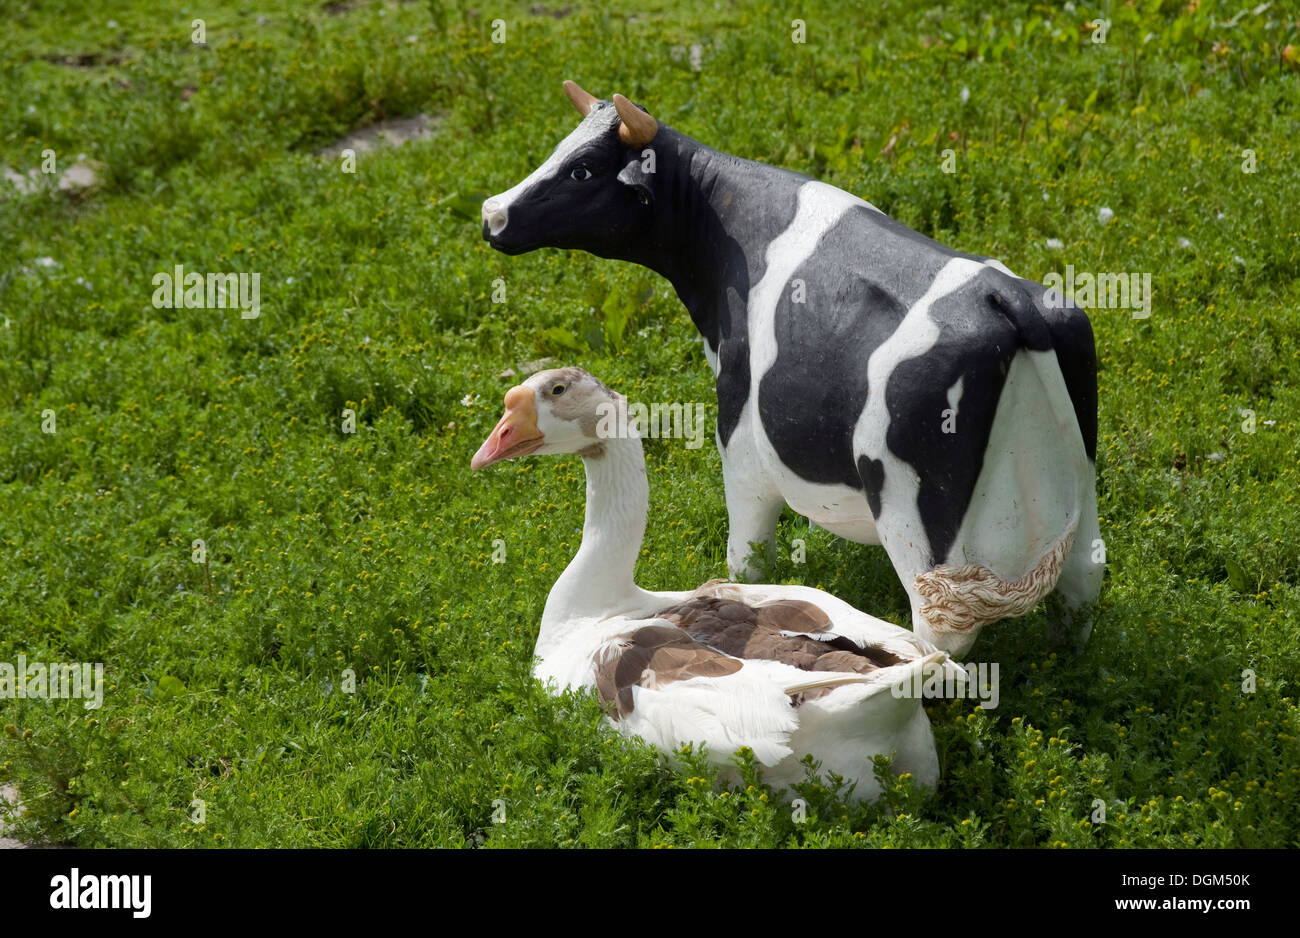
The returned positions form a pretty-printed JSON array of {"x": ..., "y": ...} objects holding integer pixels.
[
  {"x": 582, "y": 100},
  {"x": 637, "y": 128}
]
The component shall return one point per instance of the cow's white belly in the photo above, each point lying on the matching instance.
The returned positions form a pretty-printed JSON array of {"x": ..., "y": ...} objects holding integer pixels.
[
  {"x": 859, "y": 532},
  {"x": 837, "y": 508},
  {"x": 754, "y": 466}
]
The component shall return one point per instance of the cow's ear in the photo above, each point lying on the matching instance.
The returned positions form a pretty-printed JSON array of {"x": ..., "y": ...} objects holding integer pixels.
[{"x": 637, "y": 174}]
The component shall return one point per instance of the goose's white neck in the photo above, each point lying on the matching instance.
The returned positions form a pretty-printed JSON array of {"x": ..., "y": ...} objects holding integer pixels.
[{"x": 598, "y": 581}]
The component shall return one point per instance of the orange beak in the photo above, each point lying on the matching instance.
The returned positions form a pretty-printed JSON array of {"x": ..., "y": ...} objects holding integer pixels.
[{"x": 516, "y": 434}]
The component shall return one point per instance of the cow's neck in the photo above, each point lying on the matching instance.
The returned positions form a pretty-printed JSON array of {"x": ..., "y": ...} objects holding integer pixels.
[
  {"x": 703, "y": 192},
  {"x": 598, "y": 581}
]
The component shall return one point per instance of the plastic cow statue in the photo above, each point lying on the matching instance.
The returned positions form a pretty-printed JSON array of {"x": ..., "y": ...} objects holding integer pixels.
[{"x": 887, "y": 387}]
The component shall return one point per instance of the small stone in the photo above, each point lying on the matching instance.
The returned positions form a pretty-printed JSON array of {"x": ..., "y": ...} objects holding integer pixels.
[
  {"x": 393, "y": 131},
  {"x": 23, "y": 184},
  {"x": 80, "y": 176}
]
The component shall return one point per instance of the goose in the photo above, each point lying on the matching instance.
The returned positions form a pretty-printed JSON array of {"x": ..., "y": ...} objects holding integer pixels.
[{"x": 785, "y": 670}]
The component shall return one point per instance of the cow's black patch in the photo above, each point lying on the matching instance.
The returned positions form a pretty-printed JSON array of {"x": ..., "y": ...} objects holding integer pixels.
[
  {"x": 811, "y": 398},
  {"x": 712, "y": 244},
  {"x": 858, "y": 284},
  {"x": 732, "y": 348},
  {"x": 1076, "y": 352},
  {"x": 872, "y": 472}
]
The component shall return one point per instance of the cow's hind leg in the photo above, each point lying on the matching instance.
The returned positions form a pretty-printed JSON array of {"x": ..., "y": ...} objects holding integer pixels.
[
  {"x": 948, "y": 625},
  {"x": 1070, "y": 607},
  {"x": 1017, "y": 530}
]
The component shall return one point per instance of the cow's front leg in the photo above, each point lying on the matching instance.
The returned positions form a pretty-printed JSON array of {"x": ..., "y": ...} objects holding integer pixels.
[{"x": 753, "y": 507}]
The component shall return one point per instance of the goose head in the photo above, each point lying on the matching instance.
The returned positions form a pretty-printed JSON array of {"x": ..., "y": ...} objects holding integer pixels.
[{"x": 561, "y": 410}]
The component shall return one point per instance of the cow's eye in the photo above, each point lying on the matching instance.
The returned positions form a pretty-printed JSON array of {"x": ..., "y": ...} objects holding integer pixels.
[
  {"x": 580, "y": 173},
  {"x": 557, "y": 390}
]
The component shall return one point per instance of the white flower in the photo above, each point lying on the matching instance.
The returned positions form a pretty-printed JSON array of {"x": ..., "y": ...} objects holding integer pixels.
[
  {"x": 1054, "y": 244},
  {"x": 1105, "y": 215},
  {"x": 468, "y": 400}
]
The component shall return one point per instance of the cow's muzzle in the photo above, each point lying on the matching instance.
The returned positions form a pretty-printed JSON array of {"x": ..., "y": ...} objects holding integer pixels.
[{"x": 494, "y": 218}]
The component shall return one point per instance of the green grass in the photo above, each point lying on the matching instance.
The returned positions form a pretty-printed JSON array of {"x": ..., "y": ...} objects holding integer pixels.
[{"x": 372, "y": 551}]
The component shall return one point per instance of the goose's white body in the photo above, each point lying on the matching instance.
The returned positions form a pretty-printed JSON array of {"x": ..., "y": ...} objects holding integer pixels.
[
  {"x": 595, "y": 609},
  {"x": 843, "y": 731}
]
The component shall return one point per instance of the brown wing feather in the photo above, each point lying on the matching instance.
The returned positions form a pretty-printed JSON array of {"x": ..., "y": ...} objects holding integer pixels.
[
  {"x": 653, "y": 656},
  {"x": 745, "y": 631},
  {"x": 793, "y": 615},
  {"x": 711, "y": 635}
]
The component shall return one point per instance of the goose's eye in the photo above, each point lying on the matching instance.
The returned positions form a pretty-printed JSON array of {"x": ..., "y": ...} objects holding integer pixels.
[
  {"x": 580, "y": 173},
  {"x": 557, "y": 390}
]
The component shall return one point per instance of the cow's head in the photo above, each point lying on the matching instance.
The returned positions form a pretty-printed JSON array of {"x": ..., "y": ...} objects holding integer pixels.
[{"x": 590, "y": 194}]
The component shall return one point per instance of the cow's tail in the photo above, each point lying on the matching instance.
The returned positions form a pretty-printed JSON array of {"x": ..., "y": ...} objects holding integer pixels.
[{"x": 961, "y": 598}]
